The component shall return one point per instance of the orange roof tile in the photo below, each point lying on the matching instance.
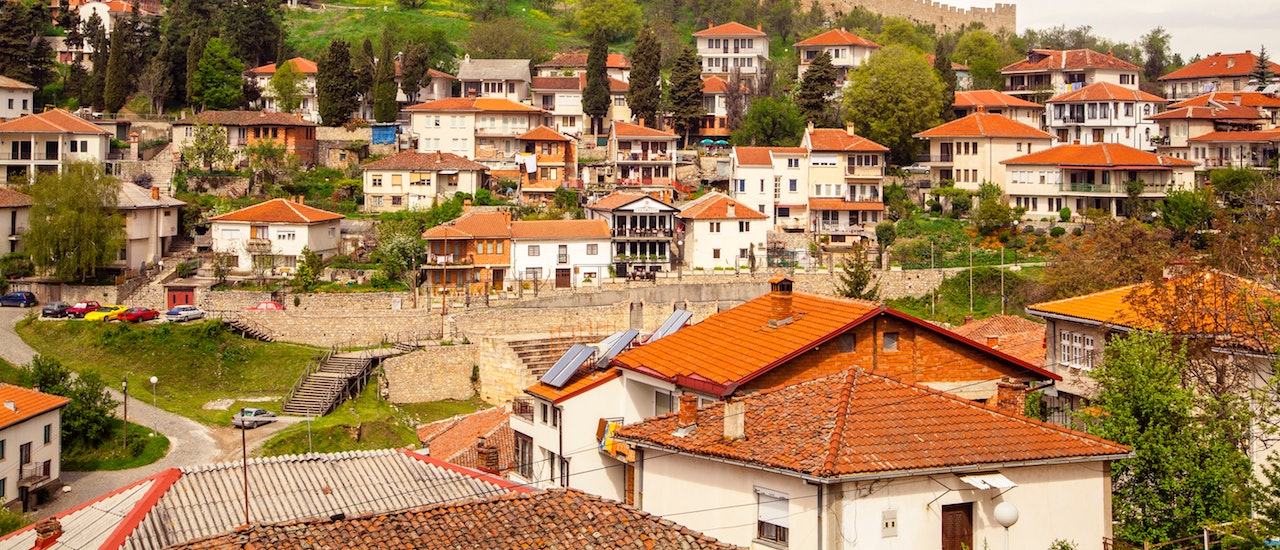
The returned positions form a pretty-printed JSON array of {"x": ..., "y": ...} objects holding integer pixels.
[
  {"x": 53, "y": 121},
  {"x": 1044, "y": 60},
  {"x": 731, "y": 28},
  {"x": 27, "y": 403},
  {"x": 278, "y": 211},
  {"x": 245, "y": 118},
  {"x": 1100, "y": 154},
  {"x": 1246, "y": 99},
  {"x": 1220, "y": 64},
  {"x": 560, "y": 229},
  {"x": 413, "y": 160},
  {"x": 13, "y": 199},
  {"x": 582, "y": 380},
  {"x": 837, "y": 37},
  {"x": 718, "y": 206},
  {"x": 454, "y": 439},
  {"x": 983, "y": 124},
  {"x": 447, "y": 104},
  {"x": 844, "y": 205},
  {"x": 991, "y": 99},
  {"x": 615, "y": 200},
  {"x": 556, "y": 83},
  {"x": 835, "y": 139},
  {"x": 542, "y": 133},
  {"x": 629, "y": 130},
  {"x": 300, "y": 64},
  {"x": 958, "y": 67},
  {"x": 1106, "y": 91},
  {"x": 1229, "y": 111},
  {"x": 502, "y": 104},
  {"x": 484, "y": 224},
  {"x": 860, "y": 425},
  {"x": 1240, "y": 137},
  {"x": 762, "y": 156},
  {"x": 1017, "y": 336},
  {"x": 577, "y": 60},
  {"x": 13, "y": 84},
  {"x": 442, "y": 232}
]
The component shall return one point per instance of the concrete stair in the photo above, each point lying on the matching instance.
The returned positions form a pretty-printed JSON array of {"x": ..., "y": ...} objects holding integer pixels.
[
  {"x": 250, "y": 329},
  {"x": 539, "y": 354},
  {"x": 324, "y": 389}
]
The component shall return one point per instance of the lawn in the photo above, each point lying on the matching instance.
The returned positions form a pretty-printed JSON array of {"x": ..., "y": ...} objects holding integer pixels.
[
  {"x": 950, "y": 241},
  {"x": 144, "y": 449},
  {"x": 950, "y": 302},
  {"x": 196, "y": 363}
]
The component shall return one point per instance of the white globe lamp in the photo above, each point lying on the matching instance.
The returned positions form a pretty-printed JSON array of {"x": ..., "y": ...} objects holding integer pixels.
[{"x": 1006, "y": 515}]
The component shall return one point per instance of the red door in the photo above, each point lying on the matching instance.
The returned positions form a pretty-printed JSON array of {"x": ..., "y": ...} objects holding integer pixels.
[{"x": 181, "y": 297}]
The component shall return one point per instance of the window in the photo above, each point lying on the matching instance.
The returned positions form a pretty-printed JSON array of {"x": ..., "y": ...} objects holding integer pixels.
[
  {"x": 545, "y": 409},
  {"x": 772, "y": 516},
  {"x": 562, "y": 254},
  {"x": 1128, "y": 109},
  {"x": 1019, "y": 146},
  {"x": 890, "y": 341},
  {"x": 662, "y": 402},
  {"x": 288, "y": 235},
  {"x": 784, "y": 211},
  {"x": 593, "y": 249},
  {"x": 848, "y": 342},
  {"x": 793, "y": 163},
  {"x": 792, "y": 185},
  {"x": 377, "y": 181},
  {"x": 744, "y": 227},
  {"x": 4, "y": 484},
  {"x": 555, "y": 416},
  {"x": 48, "y": 433},
  {"x": 524, "y": 455},
  {"x": 742, "y": 186},
  {"x": 534, "y": 250},
  {"x": 713, "y": 227},
  {"x": 533, "y": 273},
  {"x": 715, "y": 253},
  {"x": 397, "y": 200},
  {"x": 2, "y": 449},
  {"x": 742, "y": 253},
  {"x": 1075, "y": 349}
]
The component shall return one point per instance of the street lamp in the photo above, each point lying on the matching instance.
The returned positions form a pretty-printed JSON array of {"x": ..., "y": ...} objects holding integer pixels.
[
  {"x": 1006, "y": 515},
  {"x": 155, "y": 413},
  {"x": 124, "y": 388}
]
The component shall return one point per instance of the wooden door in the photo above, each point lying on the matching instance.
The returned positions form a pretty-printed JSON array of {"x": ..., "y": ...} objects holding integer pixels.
[
  {"x": 957, "y": 526},
  {"x": 563, "y": 277}
]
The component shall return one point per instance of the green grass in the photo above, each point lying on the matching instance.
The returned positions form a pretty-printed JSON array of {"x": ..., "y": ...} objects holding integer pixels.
[
  {"x": 950, "y": 240},
  {"x": 951, "y": 299},
  {"x": 425, "y": 413},
  {"x": 366, "y": 422},
  {"x": 143, "y": 449},
  {"x": 195, "y": 362},
  {"x": 10, "y": 374}
]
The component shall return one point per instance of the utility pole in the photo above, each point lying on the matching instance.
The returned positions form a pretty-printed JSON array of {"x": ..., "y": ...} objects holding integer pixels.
[
  {"x": 1001, "y": 279},
  {"x": 244, "y": 466},
  {"x": 933, "y": 266},
  {"x": 970, "y": 275}
]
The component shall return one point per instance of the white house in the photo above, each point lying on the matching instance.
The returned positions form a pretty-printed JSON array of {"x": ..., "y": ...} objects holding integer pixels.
[
  {"x": 846, "y": 178},
  {"x": 722, "y": 233},
  {"x": 1101, "y": 176},
  {"x": 774, "y": 180},
  {"x": 261, "y": 76},
  {"x": 483, "y": 129},
  {"x": 566, "y": 253},
  {"x": 271, "y": 235},
  {"x": 1105, "y": 113},
  {"x": 30, "y": 444},
  {"x": 414, "y": 181},
  {"x": 732, "y": 45},
  {"x": 573, "y": 64},
  {"x": 998, "y": 103},
  {"x": 847, "y": 50},
  {"x": 1047, "y": 73},
  {"x": 643, "y": 229},
  {"x": 15, "y": 98},
  {"x": 968, "y": 150},
  {"x": 150, "y": 224},
  {"x": 39, "y": 143},
  {"x": 15, "y": 207},
  {"x": 495, "y": 78},
  {"x": 1229, "y": 72}
]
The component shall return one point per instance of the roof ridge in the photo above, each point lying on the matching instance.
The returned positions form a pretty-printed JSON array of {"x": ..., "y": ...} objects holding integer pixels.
[{"x": 847, "y": 390}]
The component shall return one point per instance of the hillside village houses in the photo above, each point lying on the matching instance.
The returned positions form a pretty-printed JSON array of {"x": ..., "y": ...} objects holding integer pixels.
[
  {"x": 1218, "y": 73},
  {"x": 270, "y": 236},
  {"x": 15, "y": 98},
  {"x": 643, "y": 230},
  {"x": 723, "y": 48},
  {"x": 847, "y": 51},
  {"x": 261, "y": 76},
  {"x": 15, "y": 208},
  {"x": 150, "y": 225},
  {"x": 969, "y": 150},
  {"x": 494, "y": 78},
  {"x": 483, "y": 129},
  {"x": 996, "y": 102},
  {"x": 721, "y": 233},
  {"x": 1105, "y": 113},
  {"x": 563, "y": 253},
  {"x": 573, "y": 64},
  {"x": 1101, "y": 176},
  {"x": 474, "y": 249},
  {"x": 1051, "y": 73},
  {"x": 548, "y": 162},
  {"x": 245, "y": 128},
  {"x": 775, "y": 180},
  {"x": 410, "y": 180},
  {"x": 846, "y": 172},
  {"x": 44, "y": 142}
]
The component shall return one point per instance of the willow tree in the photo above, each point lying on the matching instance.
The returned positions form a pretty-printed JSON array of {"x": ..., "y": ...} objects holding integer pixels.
[{"x": 75, "y": 227}]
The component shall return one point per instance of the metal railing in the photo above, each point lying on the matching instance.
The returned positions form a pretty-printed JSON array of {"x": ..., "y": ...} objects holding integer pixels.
[
  {"x": 523, "y": 407},
  {"x": 641, "y": 232}
]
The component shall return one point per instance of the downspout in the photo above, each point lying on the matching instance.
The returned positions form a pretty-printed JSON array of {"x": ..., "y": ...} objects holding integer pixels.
[
  {"x": 564, "y": 464},
  {"x": 822, "y": 508}
]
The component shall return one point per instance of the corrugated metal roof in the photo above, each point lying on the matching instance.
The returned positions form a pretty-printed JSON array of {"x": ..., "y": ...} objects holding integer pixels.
[{"x": 90, "y": 525}]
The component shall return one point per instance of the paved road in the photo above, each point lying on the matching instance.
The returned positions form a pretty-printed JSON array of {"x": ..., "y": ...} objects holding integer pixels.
[{"x": 190, "y": 443}]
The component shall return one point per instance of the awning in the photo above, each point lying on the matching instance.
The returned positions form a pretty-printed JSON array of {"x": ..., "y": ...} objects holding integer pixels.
[
  {"x": 988, "y": 481},
  {"x": 447, "y": 172}
]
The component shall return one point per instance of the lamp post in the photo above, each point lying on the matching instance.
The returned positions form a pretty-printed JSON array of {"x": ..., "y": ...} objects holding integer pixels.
[
  {"x": 155, "y": 413},
  {"x": 124, "y": 389},
  {"x": 1006, "y": 515}
]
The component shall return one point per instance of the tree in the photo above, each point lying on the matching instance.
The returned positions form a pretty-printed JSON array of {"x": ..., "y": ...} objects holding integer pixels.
[
  {"x": 75, "y": 227},
  {"x": 994, "y": 212},
  {"x": 1234, "y": 186},
  {"x": 1185, "y": 212},
  {"x": 336, "y": 91},
  {"x": 902, "y": 32},
  {"x": 1155, "y": 50},
  {"x": 268, "y": 161},
  {"x": 116, "y": 89},
  {"x": 771, "y": 122},
  {"x": 208, "y": 147},
  {"x": 897, "y": 203},
  {"x": 947, "y": 75},
  {"x": 818, "y": 84},
  {"x": 1106, "y": 257},
  {"x": 365, "y": 64},
  {"x": 400, "y": 251},
  {"x": 983, "y": 54},
  {"x": 254, "y": 29},
  {"x": 385, "y": 107},
  {"x": 506, "y": 38},
  {"x": 87, "y": 419},
  {"x": 1262, "y": 73},
  {"x": 893, "y": 96},
  {"x": 415, "y": 72},
  {"x": 410, "y": 4},
  {"x": 1187, "y": 468},
  {"x": 734, "y": 100},
  {"x": 644, "y": 95},
  {"x": 96, "y": 38},
  {"x": 309, "y": 269},
  {"x": 686, "y": 91},
  {"x": 154, "y": 82},
  {"x": 854, "y": 278},
  {"x": 595, "y": 96},
  {"x": 615, "y": 19},
  {"x": 287, "y": 86},
  {"x": 217, "y": 83}
]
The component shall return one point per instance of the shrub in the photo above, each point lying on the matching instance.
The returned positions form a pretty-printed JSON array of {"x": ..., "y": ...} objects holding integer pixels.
[
  {"x": 1077, "y": 232},
  {"x": 1064, "y": 215},
  {"x": 1057, "y": 231}
]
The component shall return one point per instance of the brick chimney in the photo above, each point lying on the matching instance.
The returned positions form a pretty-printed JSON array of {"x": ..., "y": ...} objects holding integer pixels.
[
  {"x": 155, "y": 193},
  {"x": 735, "y": 419},
  {"x": 47, "y": 533},
  {"x": 487, "y": 457},
  {"x": 466, "y": 206},
  {"x": 1011, "y": 396},
  {"x": 779, "y": 300},
  {"x": 848, "y": 128},
  {"x": 688, "y": 410},
  {"x": 993, "y": 341}
]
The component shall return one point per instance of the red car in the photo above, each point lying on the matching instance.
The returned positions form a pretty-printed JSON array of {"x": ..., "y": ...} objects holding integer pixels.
[
  {"x": 82, "y": 308},
  {"x": 137, "y": 314},
  {"x": 266, "y": 306}
]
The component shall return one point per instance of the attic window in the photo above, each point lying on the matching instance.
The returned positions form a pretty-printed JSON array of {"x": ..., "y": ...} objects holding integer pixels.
[
  {"x": 848, "y": 342},
  {"x": 890, "y": 341}
]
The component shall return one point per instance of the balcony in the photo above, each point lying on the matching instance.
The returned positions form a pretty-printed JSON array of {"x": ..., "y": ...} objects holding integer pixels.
[
  {"x": 1069, "y": 118},
  {"x": 523, "y": 407},
  {"x": 446, "y": 260},
  {"x": 644, "y": 157},
  {"x": 944, "y": 157},
  {"x": 642, "y": 259},
  {"x": 1090, "y": 188},
  {"x": 28, "y": 155},
  {"x": 642, "y": 233},
  {"x": 1237, "y": 163},
  {"x": 34, "y": 474},
  {"x": 258, "y": 246}
]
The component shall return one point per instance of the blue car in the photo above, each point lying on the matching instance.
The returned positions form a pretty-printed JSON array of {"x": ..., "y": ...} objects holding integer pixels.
[{"x": 18, "y": 299}]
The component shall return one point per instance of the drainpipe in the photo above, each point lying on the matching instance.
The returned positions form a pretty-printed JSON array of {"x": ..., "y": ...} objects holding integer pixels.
[
  {"x": 564, "y": 464},
  {"x": 822, "y": 508}
]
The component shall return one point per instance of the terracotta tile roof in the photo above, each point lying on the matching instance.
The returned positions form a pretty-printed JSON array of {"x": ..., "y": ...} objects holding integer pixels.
[
  {"x": 442, "y": 232},
  {"x": 447, "y": 104},
  {"x": 983, "y": 124},
  {"x": 542, "y": 133},
  {"x": 857, "y": 424},
  {"x": 53, "y": 121},
  {"x": 629, "y": 130},
  {"x": 730, "y": 28},
  {"x": 569, "y": 83},
  {"x": 837, "y": 37},
  {"x": 716, "y": 85},
  {"x": 245, "y": 118},
  {"x": 413, "y": 160},
  {"x": 454, "y": 439},
  {"x": 578, "y": 60},
  {"x": 503, "y": 105},
  {"x": 27, "y": 403},
  {"x": 1016, "y": 336},
  {"x": 441, "y": 74},
  {"x": 278, "y": 211},
  {"x": 473, "y": 225},
  {"x": 615, "y": 200},
  {"x": 718, "y": 206},
  {"x": 1246, "y": 99},
  {"x": 844, "y": 205},
  {"x": 543, "y": 230},
  {"x": 561, "y": 519},
  {"x": 958, "y": 67},
  {"x": 581, "y": 381},
  {"x": 13, "y": 84},
  {"x": 837, "y": 139},
  {"x": 991, "y": 98},
  {"x": 1244, "y": 137},
  {"x": 1100, "y": 154},
  {"x": 1044, "y": 60},
  {"x": 1229, "y": 111},
  {"x": 300, "y": 64},
  {"x": 13, "y": 199},
  {"x": 1220, "y": 64},
  {"x": 762, "y": 156},
  {"x": 1106, "y": 91},
  {"x": 466, "y": 104}
]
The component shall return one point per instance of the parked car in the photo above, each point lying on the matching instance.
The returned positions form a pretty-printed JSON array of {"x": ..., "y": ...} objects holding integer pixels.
[
  {"x": 266, "y": 306},
  {"x": 55, "y": 309},
  {"x": 252, "y": 418},
  {"x": 18, "y": 299},
  {"x": 184, "y": 313},
  {"x": 137, "y": 314},
  {"x": 916, "y": 169},
  {"x": 82, "y": 308},
  {"x": 108, "y": 312}
]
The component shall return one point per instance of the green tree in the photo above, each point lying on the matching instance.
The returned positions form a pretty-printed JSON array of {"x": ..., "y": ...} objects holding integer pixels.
[
  {"x": 364, "y": 64},
  {"x": 902, "y": 32},
  {"x": 818, "y": 84},
  {"x": 615, "y": 19},
  {"x": 385, "y": 107},
  {"x": 886, "y": 233},
  {"x": 208, "y": 147},
  {"x": 87, "y": 419},
  {"x": 897, "y": 203},
  {"x": 155, "y": 81},
  {"x": 1187, "y": 468},
  {"x": 336, "y": 91},
  {"x": 287, "y": 86},
  {"x": 946, "y": 75},
  {"x": 96, "y": 38},
  {"x": 894, "y": 95},
  {"x": 854, "y": 280},
  {"x": 75, "y": 227},
  {"x": 1262, "y": 73},
  {"x": 686, "y": 91},
  {"x": 983, "y": 54},
  {"x": 1233, "y": 186},
  {"x": 1185, "y": 211},
  {"x": 506, "y": 38},
  {"x": 254, "y": 30},
  {"x": 268, "y": 162},
  {"x": 401, "y": 249},
  {"x": 773, "y": 122},
  {"x": 217, "y": 81},
  {"x": 644, "y": 95},
  {"x": 994, "y": 212},
  {"x": 119, "y": 79},
  {"x": 1155, "y": 50},
  {"x": 308, "y": 273},
  {"x": 595, "y": 96},
  {"x": 1105, "y": 258}
]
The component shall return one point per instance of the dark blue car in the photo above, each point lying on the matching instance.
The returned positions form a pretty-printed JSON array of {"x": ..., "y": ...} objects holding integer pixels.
[{"x": 18, "y": 299}]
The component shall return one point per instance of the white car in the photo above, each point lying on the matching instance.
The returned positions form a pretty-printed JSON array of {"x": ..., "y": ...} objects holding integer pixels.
[
  {"x": 916, "y": 169},
  {"x": 252, "y": 418},
  {"x": 184, "y": 313}
]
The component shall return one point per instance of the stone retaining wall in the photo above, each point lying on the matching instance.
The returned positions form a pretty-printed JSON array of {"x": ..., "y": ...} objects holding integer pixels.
[
  {"x": 433, "y": 373},
  {"x": 348, "y": 329}
]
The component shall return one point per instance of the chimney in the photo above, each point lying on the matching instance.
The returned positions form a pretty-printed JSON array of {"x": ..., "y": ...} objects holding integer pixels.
[
  {"x": 779, "y": 300},
  {"x": 466, "y": 206},
  {"x": 11, "y": 406},
  {"x": 735, "y": 419},
  {"x": 487, "y": 457},
  {"x": 848, "y": 128},
  {"x": 133, "y": 147},
  {"x": 711, "y": 24},
  {"x": 302, "y": 199},
  {"x": 759, "y": 27},
  {"x": 993, "y": 341},
  {"x": 641, "y": 122},
  {"x": 155, "y": 193},
  {"x": 47, "y": 533},
  {"x": 439, "y": 156},
  {"x": 968, "y": 319},
  {"x": 1075, "y": 142},
  {"x": 688, "y": 410},
  {"x": 1231, "y": 62},
  {"x": 1011, "y": 396}
]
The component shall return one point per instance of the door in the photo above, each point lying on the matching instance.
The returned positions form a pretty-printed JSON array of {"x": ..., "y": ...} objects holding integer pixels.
[
  {"x": 499, "y": 275},
  {"x": 957, "y": 526},
  {"x": 181, "y": 297},
  {"x": 563, "y": 277}
]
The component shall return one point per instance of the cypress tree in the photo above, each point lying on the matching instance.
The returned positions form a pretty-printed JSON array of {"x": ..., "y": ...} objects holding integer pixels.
[
  {"x": 119, "y": 78},
  {"x": 818, "y": 84},
  {"x": 686, "y": 91},
  {"x": 645, "y": 95},
  {"x": 335, "y": 84},
  {"x": 385, "y": 108},
  {"x": 595, "y": 98}
]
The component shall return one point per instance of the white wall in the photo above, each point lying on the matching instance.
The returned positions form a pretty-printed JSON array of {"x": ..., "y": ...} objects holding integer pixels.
[
  {"x": 322, "y": 238},
  {"x": 32, "y": 431},
  {"x": 13, "y": 221},
  {"x": 701, "y": 243},
  {"x": 547, "y": 258},
  {"x": 418, "y": 190},
  {"x": 15, "y": 103},
  {"x": 446, "y": 131}
]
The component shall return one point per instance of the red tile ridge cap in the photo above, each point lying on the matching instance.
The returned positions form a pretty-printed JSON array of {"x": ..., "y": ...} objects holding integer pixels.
[
  {"x": 163, "y": 481},
  {"x": 842, "y": 414}
]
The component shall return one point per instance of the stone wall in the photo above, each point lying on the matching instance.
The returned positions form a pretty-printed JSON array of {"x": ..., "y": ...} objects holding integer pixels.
[
  {"x": 333, "y": 146},
  {"x": 79, "y": 293},
  {"x": 334, "y": 303},
  {"x": 433, "y": 373},
  {"x": 345, "y": 329},
  {"x": 943, "y": 16},
  {"x": 502, "y": 375}
]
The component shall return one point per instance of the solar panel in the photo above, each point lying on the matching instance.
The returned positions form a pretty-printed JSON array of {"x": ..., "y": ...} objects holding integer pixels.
[
  {"x": 567, "y": 365},
  {"x": 675, "y": 322},
  {"x": 1271, "y": 89},
  {"x": 614, "y": 344}
]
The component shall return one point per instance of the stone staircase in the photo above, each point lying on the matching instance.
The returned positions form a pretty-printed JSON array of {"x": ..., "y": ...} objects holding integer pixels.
[
  {"x": 249, "y": 328},
  {"x": 539, "y": 354},
  {"x": 321, "y": 389}
]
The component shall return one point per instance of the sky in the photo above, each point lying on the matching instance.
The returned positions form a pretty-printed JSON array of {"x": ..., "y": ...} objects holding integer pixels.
[{"x": 1196, "y": 26}]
